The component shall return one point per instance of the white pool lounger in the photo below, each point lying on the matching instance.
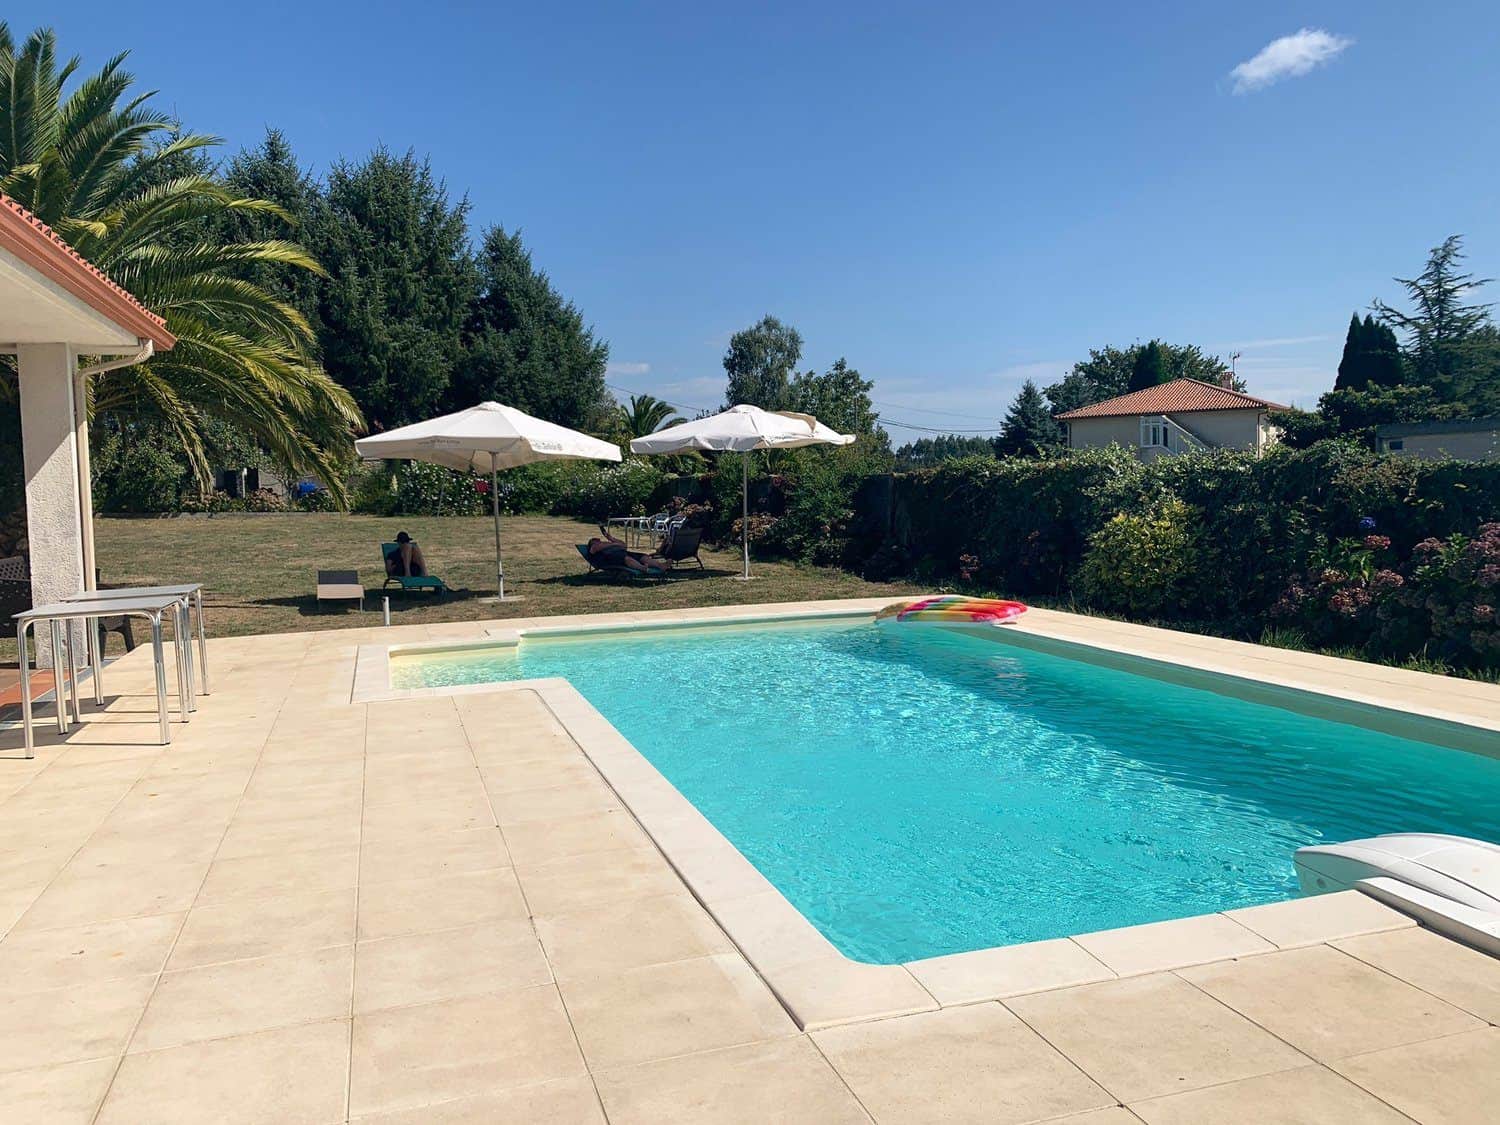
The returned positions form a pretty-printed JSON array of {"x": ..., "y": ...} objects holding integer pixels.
[{"x": 1449, "y": 883}]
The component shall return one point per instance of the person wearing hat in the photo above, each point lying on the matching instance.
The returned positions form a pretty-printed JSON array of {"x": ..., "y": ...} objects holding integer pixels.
[{"x": 406, "y": 561}]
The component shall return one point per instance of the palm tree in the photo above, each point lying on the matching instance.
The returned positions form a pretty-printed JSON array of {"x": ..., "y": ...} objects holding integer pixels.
[
  {"x": 114, "y": 178},
  {"x": 645, "y": 415}
]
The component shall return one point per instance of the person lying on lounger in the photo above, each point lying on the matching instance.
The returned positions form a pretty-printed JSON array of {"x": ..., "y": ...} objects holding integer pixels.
[
  {"x": 407, "y": 560},
  {"x": 609, "y": 551}
]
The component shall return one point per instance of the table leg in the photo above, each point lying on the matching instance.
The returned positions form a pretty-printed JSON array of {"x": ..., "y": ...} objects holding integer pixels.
[
  {"x": 25, "y": 689},
  {"x": 203, "y": 639},
  {"x": 96, "y": 660},
  {"x": 59, "y": 691},
  {"x": 161, "y": 678},
  {"x": 71, "y": 664},
  {"x": 185, "y": 652},
  {"x": 184, "y": 673}
]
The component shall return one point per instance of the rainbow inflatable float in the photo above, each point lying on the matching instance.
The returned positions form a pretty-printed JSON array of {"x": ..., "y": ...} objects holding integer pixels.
[{"x": 954, "y": 609}]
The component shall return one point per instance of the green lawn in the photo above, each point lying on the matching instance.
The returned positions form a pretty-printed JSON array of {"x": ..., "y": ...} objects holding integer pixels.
[{"x": 258, "y": 571}]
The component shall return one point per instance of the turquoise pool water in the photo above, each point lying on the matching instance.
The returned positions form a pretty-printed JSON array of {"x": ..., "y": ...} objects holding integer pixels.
[{"x": 915, "y": 792}]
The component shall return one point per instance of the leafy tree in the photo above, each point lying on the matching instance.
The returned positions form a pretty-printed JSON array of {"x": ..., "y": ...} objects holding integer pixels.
[
  {"x": 270, "y": 171},
  {"x": 1149, "y": 369},
  {"x": 926, "y": 452},
  {"x": 527, "y": 346},
  {"x": 840, "y": 398},
  {"x": 1028, "y": 428},
  {"x": 400, "y": 284},
  {"x": 645, "y": 415},
  {"x": 1450, "y": 345},
  {"x": 1355, "y": 414},
  {"x": 759, "y": 364},
  {"x": 1371, "y": 358},
  {"x": 1107, "y": 372},
  {"x": 112, "y": 177}
]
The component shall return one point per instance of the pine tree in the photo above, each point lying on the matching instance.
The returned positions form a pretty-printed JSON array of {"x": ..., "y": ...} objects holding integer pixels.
[
  {"x": 1352, "y": 375},
  {"x": 1029, "y": 427},
  {"x": 527, "y": 346},
  {"x": 1150, "y": 367}
]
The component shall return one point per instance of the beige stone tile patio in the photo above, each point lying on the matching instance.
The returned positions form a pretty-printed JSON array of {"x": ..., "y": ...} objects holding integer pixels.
[
  {"x": 571, "y": 1101},
  {"x": 537, "y": 841},
  {"x": 87, "y": 1021},
  {"x": 270, "y": 876},
  {"x": 37, "y": 960},
  {"x": 1327, "y": 1003},
  {"x": 1450, "y": 971},
  {"x": 292, "y": 1076},
  {"x": 56, "y": 1095},
  {"x": 611, "y": 937},
  {"x": 1009, "y": 970},
  {"x": 1165, "y": 945},
  {"x": 596, "y": 878},
  {"x": 405, "y": 1058},
  {"x": 1143, "y": 1037},
  {"x": 977, "y": 1063},
  {"x": 264, "y": 927},
  {"x": 239, "y": 997},
  {"x": 307, "y": 822},
  {"x": 492, "y": 956},
  {"x": 779, "y": 1082},
  {"x": 1310, "y": 1095},
  {"x": 661, "y": 1010},
  {"x": 1319, "y": 918},
  {"x": 431, "y": 855},
  {"x": 410, "y": 906},
  {"x": 1453, "y": 1081},
  {"x": 97, "y": 894}
]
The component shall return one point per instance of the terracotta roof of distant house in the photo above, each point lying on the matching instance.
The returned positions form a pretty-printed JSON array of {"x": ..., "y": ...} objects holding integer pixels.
[
  {"x": 1180, "y": 396},
  {"x": 40, "y": 247}
]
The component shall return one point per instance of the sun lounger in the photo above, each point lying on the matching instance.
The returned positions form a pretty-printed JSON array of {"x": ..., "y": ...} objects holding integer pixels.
[
  {"x": 340, "y": 585},
  {"x": 619, "y": 570},
  {"x": 681, "y": 545},
  {"x": 406, "y": 582}
]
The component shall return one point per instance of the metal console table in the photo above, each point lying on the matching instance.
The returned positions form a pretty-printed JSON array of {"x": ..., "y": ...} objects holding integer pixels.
[{"x": 64, "y": 669}]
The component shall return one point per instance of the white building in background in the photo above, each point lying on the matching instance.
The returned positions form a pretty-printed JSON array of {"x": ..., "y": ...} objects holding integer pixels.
[{"x": 1173, "y": 418}]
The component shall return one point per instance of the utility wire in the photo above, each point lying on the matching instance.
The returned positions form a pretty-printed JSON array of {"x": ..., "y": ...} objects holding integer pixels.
[{"x": 883, "y": 418}]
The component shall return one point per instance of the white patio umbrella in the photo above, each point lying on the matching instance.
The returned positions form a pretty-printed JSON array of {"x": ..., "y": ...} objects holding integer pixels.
[
  {"x": 742, "y": 429},
  {"x": 488, "y": 436}
]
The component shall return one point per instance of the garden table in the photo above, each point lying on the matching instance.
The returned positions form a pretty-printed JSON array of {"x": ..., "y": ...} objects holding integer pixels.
[
  {"x": 64, "y": 671},
  {"x": 190, "y": 594}
]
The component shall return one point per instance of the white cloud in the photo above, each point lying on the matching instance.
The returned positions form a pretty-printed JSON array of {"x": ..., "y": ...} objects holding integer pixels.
[
  {"x": 613, "y": 369},
  {"x": 1288, "y": 57}
]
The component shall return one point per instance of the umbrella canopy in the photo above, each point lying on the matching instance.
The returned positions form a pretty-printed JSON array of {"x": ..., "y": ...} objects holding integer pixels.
[
  {"x": 742, "y": 429},
  {"x": 488, "y": 436},
  {"x": 483, "y": 438}
]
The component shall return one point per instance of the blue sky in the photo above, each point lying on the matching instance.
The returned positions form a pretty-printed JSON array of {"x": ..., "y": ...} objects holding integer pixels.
[{"x": 955, "y": 197}]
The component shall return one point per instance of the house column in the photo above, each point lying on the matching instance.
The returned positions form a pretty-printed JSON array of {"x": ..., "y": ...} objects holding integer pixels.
[{"x": 54, "y": 504}]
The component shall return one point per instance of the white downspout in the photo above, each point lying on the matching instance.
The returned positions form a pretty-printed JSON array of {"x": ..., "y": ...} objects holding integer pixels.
[{"x": 145, "y": 350}]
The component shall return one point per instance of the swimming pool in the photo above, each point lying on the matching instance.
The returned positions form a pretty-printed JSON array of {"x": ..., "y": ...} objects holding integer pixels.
[{"x": 917, "y": 791}]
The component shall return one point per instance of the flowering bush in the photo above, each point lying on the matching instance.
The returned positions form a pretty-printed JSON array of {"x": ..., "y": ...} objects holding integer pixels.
[
  {"x": 1137, "y": 564},
  {"x": 1450, "y": 600},
  {"x": 1335, "y": 600}
]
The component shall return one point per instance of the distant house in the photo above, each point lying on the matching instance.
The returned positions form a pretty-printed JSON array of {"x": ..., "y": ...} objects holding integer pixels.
[
  {"x": 1475, "y": 440},
  {"x": 1173, "y": 418}
]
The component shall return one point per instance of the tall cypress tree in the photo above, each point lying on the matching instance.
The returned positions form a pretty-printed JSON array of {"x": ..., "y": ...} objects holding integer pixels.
[
  {"x": 1150, "y": 367},
  {"x": 1352, "y": 375}
]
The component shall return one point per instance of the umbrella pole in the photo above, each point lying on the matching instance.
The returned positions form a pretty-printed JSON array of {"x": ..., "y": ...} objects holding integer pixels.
[
  {"x": 745, "y": 512},
  {"x": 495, "y": 505}
]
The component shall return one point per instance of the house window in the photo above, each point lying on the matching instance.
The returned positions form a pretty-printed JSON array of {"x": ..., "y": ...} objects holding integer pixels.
[
  {"x": 1154, "y": 432},
  {"x": 1395, "y": 445}
]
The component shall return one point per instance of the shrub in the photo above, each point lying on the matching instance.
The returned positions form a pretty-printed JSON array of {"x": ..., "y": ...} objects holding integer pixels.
[
  {"x": 264, "y": 500},
  {"x": 613, "y": 490},
  {"x": 1450, "y": 600},
  {"x": 1138, "y": 564},
  {"x": 137, "y": 473}
]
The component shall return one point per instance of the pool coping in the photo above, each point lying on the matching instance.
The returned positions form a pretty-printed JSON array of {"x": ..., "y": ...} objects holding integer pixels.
[{"x": 821, "y": 987}]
